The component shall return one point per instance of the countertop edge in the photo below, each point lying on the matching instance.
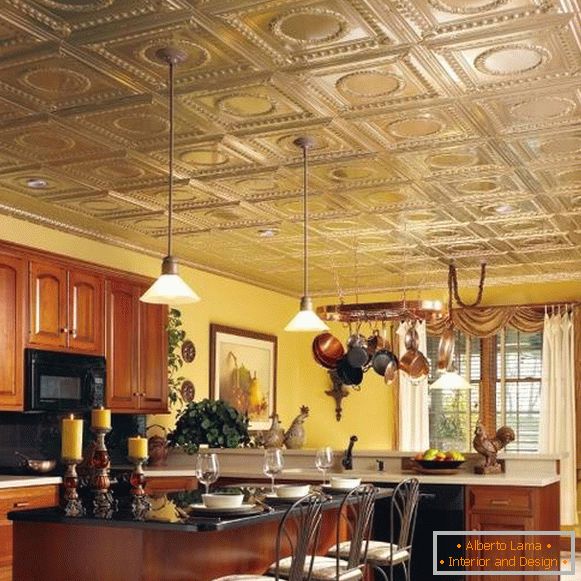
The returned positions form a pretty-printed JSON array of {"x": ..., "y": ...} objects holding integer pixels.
[{"x": 7, "y": 482}]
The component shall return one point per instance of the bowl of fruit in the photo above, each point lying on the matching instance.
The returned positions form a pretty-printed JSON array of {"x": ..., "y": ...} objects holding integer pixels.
[{"x": 434, "y": 460}]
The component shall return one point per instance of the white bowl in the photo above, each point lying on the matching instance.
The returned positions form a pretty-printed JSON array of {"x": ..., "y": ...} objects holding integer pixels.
[
  {"x": 292, "y": 490},
  {"x": 344, "y": 483},
  {"x": 222, "y": 500}
]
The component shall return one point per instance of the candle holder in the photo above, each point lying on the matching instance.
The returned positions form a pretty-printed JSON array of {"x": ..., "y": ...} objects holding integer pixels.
[
  {"x": 140, "y": 503},
  {"x": 104, "y": 505},
  {"x": 72, "y": 505}
]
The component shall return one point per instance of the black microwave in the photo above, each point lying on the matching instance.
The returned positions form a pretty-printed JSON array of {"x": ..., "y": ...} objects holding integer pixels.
[{"x": 63, "y": 382}]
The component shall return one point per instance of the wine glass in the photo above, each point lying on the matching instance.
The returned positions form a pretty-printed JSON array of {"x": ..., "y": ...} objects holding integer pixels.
[
  {"x": 207, "y": 469},
  {"x": 324, "y": 461},
  {"x": 273, "y": 463}
]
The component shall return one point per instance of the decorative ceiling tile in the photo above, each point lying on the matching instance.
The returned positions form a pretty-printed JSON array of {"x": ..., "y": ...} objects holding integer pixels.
[
  {"x": 444, "y": 129},
  {"x": 287, "y": 32}
]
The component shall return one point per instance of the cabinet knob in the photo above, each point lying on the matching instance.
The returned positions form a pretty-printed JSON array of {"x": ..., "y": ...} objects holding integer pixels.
[
  {"x": 21, "y": 504},
  {"x": 500, "y": 502},
  {"x": 135, "y": 394},
  {"x": 64, "y": 330},
  {"x": 73, "y": 332}
]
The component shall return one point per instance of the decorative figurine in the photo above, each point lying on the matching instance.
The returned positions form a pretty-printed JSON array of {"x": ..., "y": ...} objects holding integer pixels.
[
  {"x": 274, "y": 436},
  {"x": 489, "y": 447},
  {"x": 295, "y": 436}
]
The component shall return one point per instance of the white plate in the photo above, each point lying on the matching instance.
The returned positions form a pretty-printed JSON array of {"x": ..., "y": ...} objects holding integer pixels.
[
  {"x": 329, "y": 488},
  {"x": 230, "y": 509}
]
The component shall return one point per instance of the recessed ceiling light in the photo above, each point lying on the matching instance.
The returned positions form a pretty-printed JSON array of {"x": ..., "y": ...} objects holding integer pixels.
[
  {"x": 268, "y": 232},
  {"x": 504, "y": 209},
  {"x": 36, "y": 183}
]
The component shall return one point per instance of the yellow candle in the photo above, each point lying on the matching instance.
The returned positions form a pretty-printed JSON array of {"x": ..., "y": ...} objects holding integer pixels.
[
  {"x": 101, "y": 418},
  {"x": 137, "y": 447},
  {"x": 72, "y": 438}
]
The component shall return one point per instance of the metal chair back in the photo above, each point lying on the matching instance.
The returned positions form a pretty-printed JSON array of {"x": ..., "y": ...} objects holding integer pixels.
[
  {"x": 299, "y": 531},
  {"x": 404, "y": 509},
  {"x": 356, "y": 516}
]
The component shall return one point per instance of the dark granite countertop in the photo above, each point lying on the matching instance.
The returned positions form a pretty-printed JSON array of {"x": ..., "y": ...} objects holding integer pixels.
[{"x": 173, "y": 511}]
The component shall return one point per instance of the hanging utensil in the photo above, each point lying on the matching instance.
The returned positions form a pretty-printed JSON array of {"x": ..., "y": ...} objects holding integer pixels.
[
  {"x": 446, "y": 349},
  {"x": 327, "y": 350}
]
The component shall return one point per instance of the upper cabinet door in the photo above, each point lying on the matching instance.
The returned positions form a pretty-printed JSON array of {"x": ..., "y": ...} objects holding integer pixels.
[
  {"x": 12, "y": 301},
  {"x": 48, "y": 305},
  {"x": 85, "y": 312},
  {"x": 122, "y": 391},
  {"x": 153, "y": 357}
]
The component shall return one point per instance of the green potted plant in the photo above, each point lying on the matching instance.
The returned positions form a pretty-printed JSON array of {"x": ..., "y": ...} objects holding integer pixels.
[{"x": 211, "y": 422}]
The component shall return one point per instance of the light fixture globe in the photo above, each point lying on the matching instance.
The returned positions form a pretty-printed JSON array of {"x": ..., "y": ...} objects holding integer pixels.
[
  {"x": 170, "y": 288},
  {"x": 306, "y": 320}
]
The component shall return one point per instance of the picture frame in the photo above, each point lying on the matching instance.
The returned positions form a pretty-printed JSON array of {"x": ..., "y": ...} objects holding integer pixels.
[{"x": 243, "y": 372}]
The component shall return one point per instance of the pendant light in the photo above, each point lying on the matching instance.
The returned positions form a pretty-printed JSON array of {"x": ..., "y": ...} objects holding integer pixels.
[
  {"x": 450, "y": 380},
  {"x": 306, "y": 320},
  {"x": 170, "y": 288}
]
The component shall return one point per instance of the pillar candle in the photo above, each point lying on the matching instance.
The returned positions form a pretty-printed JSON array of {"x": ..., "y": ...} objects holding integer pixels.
[
  {"x": 72, "y": 438},
  {"x": 137, "y": 447},
  {"x": 101, "y": 418}
]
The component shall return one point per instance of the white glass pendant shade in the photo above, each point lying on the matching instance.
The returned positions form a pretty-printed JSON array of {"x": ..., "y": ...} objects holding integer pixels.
[
  {"x": 169, "y": 288},
  {"x": 306, "y": 319},
  {"x": 450, "y": 380}
]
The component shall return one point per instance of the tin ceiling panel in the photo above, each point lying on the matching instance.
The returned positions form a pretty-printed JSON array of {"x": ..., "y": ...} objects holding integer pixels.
[{"x": 443, "y": 128}]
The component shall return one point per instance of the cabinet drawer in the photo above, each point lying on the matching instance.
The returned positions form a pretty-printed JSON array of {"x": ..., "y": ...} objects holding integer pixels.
[
  {"x": 27, "y": 497},
  {"x": 501, "y": 499}
]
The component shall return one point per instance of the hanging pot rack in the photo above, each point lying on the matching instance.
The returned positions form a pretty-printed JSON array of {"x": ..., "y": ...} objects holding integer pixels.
[{"x": 385, "y": 311}]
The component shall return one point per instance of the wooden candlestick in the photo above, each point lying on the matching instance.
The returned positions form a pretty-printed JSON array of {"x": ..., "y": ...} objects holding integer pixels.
[
  {"x": 104, "y": 505},
  {"x": 72, "y": 505}
]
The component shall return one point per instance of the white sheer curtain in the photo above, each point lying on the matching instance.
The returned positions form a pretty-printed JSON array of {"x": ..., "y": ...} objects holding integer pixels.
[
  {"x": 414, "y": 421},
  {"x": 557, "y": 422}
]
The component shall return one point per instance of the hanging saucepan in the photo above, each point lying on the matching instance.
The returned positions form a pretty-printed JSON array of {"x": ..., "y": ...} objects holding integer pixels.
[
  {"x": 446, "y": 349},
  {"x": 327, "y": 350},
  {"x": 412, "y": 339},
  {"x": 419, "y": 366},
  {"x": 357, "y": 350},
  {"x": 391, "y": 371},
  {"x": 382, "y": 359},
  {"x": 375, "y": 342},
  {"x": 349, "y": 375}
]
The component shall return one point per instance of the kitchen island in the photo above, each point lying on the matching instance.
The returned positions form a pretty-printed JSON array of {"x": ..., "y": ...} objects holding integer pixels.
[{"x": 170, "y": 545}]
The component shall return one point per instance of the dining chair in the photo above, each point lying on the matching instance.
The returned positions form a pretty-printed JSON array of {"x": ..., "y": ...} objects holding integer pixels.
[
  {"x": 298, "y": 532},
  {"x": 383, "y": 556},
  {"x": 355, "y": 518}
]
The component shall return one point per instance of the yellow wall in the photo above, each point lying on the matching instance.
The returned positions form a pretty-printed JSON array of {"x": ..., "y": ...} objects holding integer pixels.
[{"x": 367, "y": 413}]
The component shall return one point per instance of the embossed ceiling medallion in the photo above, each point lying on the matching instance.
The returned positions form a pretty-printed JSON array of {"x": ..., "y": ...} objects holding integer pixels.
[
  {"x": 369, "y": 84},
  {"x": 207, "y": 157},
  {"x": 485, "y": 186},
  {"x": 78, "y": 5},
  {"x": 141, "y": 124},
  {"x": 240, "y": 105},
  {"x": 351, "y": 174},
  {"x": 309, "y": 26},
  {"x": 415, "y": 127},
  {"x": 467, "y": 6},
  {"x": 41, "y": 141},
  {"x": 452, "y": 159},
  {"x": 561, "y": 145},
  {"x": 543, "y": 108},
  {"x": 511, "y": 59},
  {"x": 195, "y": 55},
  {"x": 56, "y": 80}
]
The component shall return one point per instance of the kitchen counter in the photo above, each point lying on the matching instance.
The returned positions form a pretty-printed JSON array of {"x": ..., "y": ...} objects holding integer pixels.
[
  {"x": 169, "y": 545},
  {"x": 19, "y": 481},
  {"x": 462, "y": 477}
]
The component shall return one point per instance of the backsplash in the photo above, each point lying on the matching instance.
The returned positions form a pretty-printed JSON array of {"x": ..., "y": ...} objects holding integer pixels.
[{"x": 38, "y": 436}]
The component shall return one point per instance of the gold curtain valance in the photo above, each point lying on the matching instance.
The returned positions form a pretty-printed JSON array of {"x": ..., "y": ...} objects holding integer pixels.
[{"x": 487, "y": 321}]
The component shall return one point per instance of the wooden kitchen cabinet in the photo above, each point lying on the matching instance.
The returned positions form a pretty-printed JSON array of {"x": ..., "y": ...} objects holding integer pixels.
[
  {"x": 66, "y": 308},
  {"x": 13, "y": 499},
  {"x": 512, "y": 508},
  {"x": 136, "y": 350},
  {"x": 12, "y": 293}
]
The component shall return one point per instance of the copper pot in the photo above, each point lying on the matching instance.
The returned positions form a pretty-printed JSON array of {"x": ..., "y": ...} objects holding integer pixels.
[
  {"x": 327, "y": 350},
  {"x": 446, "y": 349},
  {"x": 419, "y": 366},
  {"x": 412, "y": 339}
]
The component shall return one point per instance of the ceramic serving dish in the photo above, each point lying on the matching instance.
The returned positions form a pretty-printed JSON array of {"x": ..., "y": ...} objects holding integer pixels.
[
  {"x": 222, "y": 500},
  {"x": 342, "y": 483},
  {"x": 292, "y": 490}
]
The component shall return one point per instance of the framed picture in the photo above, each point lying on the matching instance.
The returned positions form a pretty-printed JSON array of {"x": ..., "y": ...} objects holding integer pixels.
[{"x": 243, "y": 372}]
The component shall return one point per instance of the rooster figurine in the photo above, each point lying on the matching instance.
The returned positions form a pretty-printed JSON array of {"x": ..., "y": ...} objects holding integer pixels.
[
  {"x": 295, "y": 436},
  {"x": 489, "y": 447}
]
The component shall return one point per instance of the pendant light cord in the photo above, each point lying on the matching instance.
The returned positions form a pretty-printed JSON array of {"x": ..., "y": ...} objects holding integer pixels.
[
  {"x": 171, "y": 150},
  {"x": 306, "y": 225}
]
